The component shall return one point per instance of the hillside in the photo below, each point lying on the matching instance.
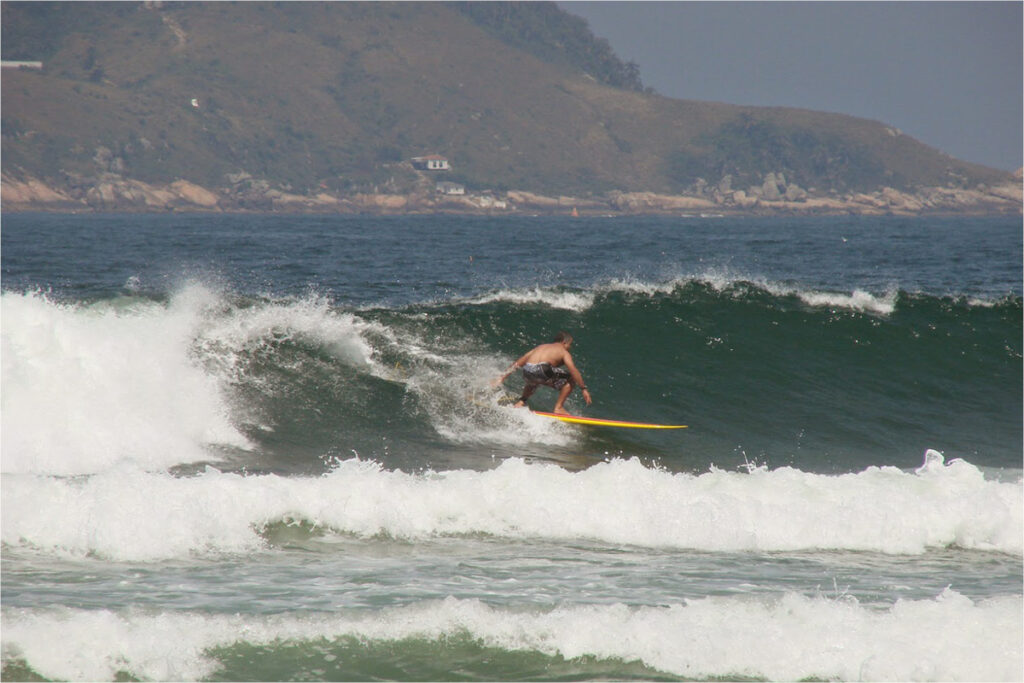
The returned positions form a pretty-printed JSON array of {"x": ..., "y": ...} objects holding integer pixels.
[{"x": 333, "y": 99}]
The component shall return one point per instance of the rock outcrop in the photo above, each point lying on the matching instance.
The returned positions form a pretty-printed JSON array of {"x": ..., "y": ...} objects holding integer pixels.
[
  {"x": 190, "y": 193},
  {"x": 649, "y": 202},
  {"x": 31, "y": 193}
]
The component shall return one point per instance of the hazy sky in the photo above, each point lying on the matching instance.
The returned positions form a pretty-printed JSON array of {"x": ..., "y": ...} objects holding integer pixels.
[{"x": 946, "y": 73}]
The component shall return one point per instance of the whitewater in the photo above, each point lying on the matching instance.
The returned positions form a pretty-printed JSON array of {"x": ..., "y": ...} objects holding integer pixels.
[
  {"x": 882, "y": 510},
  {"x": 274, "y": 462}
]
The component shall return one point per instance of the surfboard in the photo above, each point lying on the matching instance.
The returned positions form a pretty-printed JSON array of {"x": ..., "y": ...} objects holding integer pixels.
[{"x": 600, "y": 422}]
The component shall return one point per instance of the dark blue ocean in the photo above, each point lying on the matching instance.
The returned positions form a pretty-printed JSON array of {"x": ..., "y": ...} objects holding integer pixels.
[{"x": 266, "y": 447}]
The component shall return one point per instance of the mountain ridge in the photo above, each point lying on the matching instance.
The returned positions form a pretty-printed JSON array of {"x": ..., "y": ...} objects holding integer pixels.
[{"x": 307, "y": 100}]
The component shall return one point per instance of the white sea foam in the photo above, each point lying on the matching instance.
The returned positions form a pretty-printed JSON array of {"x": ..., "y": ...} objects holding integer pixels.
[
  {"x": 721, "y": 281},
  {"x": 143, "y": 516},
  {"x": 87, "y": 387},
  {"x": 555, "y": 298},
  {"x": 481, "y": 420},
  {"x": 309, "y": 319},
  {"x": 859, "y": 300},
  {"x": 786, "y": 637}
]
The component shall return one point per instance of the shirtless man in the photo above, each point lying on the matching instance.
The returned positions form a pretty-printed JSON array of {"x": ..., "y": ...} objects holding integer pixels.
[{"x": 549, "y": 365}]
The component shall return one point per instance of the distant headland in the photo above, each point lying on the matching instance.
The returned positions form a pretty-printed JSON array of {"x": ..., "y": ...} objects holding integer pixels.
[{"x": 364, "y": 107}]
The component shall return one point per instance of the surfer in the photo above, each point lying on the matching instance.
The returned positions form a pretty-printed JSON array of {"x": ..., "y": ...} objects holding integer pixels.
[{"x": 549, "y": 365}]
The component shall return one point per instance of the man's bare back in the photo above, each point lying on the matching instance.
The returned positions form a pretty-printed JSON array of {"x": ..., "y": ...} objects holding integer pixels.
[{"x": 553, "y": 353}]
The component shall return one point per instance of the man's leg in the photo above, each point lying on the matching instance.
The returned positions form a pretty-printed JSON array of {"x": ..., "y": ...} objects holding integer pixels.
[
  {"x": 527, "y": 393},
  {"x": 563, "y": 394}
]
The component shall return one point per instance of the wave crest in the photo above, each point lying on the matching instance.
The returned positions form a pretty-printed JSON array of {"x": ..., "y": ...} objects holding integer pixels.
[
  {"x": 945, "y": 638},
  {"x": 134, "y": 515}
]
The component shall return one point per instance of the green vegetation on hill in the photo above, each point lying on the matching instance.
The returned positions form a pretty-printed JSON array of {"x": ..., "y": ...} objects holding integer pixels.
[
  {"x": 552, "y": 35},
  {"x": 748, "y": 148},
  {"x": 336, "y": 96}
]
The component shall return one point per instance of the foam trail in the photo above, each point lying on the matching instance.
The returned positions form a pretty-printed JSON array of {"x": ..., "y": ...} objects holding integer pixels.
[
  {"x": 787, "y": 637},
  {"x": 144, "y": 516}
]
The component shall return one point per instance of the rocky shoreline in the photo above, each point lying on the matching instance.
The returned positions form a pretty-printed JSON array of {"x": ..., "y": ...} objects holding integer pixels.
[{"x": 115, "y": 193}]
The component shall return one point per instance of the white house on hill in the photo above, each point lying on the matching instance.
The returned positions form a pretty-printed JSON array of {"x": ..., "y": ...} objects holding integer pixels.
[
  {"x": 451, "y": 188},
  {"x": 16, "y": 64},
  {"x": 432, "y": 162}
]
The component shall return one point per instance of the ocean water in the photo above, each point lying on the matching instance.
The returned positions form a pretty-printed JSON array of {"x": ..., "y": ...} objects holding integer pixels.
[{"x": 267, "y": 448}]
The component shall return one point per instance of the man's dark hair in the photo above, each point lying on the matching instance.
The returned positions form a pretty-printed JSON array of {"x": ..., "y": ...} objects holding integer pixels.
[{"x": 562, "y": 336}]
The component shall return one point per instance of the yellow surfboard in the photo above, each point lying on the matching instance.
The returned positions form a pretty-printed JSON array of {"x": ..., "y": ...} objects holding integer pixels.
[{"x": 599, "y": 422}]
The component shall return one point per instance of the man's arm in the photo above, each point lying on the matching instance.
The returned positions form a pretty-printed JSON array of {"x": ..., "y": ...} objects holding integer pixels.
[
  {"x": 577, "y": 378},
  {"x": 512, "y": 368}
]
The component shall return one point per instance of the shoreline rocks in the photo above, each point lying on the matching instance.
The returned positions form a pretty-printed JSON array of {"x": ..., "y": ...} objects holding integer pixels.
[{"x": 112, "y": 192}]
